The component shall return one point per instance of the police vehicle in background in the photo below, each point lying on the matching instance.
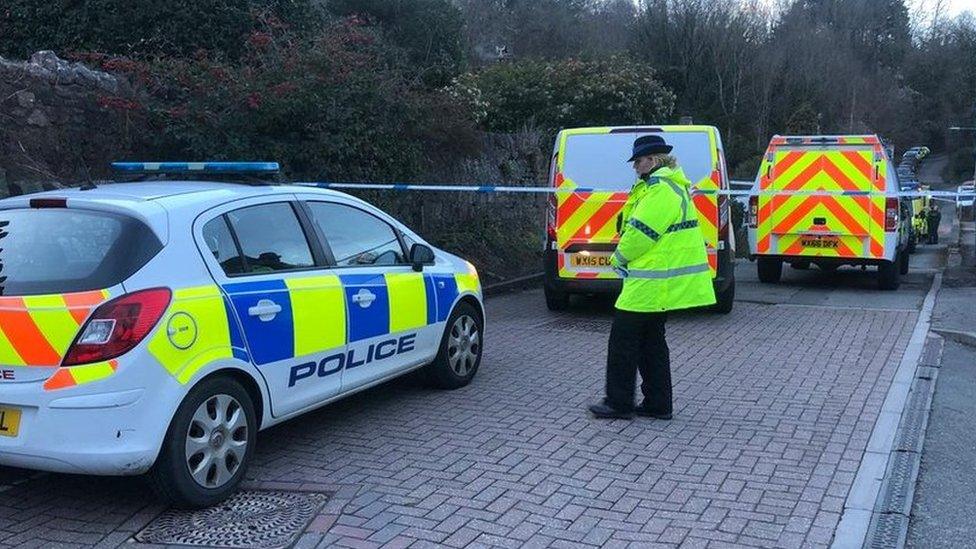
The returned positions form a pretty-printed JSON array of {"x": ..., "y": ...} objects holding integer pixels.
[{"x": 158, "y": 326}]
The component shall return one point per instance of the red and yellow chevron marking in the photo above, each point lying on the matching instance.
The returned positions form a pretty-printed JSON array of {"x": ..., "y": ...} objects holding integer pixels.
[
  {"x": 37, "y": 330},
  {"x": 80, "y": 375},
  {"x": 583, "y": 217},
  {"x": 707, "y": 206},
  {"x": 852, "y": 218},
  {"x": 586, "y": 217}
]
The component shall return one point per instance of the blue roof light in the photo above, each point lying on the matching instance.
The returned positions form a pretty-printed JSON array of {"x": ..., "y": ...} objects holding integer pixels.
[{"x": 196, "y": 167}]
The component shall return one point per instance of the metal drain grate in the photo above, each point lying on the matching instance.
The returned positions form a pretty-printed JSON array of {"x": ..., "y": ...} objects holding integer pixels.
[
  {"x": 899, "y": 483},
  {"x": 266, "y": 520},
  {"x": 570, "y": 324},
  {"x": 889, "y": 531},
  {"x": 910, "y": 434}
]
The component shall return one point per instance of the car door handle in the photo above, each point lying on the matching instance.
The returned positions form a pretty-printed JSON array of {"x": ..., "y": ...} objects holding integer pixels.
[
  {"x": 265, "y": 310},
  {"x": 364, "y": 298}
]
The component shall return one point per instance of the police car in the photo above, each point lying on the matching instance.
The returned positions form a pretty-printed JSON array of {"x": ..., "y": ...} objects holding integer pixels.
[{"x": 157, "y": 326}]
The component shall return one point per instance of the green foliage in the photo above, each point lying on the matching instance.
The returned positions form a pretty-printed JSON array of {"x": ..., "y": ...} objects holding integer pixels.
[
  {"x": 142, "y": 28},
  {"x": 334, "y": 105},
  {"x": 571, "y": 92},
  {"x": 431, "y": 32}
]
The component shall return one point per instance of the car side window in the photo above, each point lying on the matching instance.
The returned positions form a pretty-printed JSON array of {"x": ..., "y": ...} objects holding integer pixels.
[
  {"x": 271, "y": 238},
  {"x": 221, "y": 244},
  {"x": 357, "y": 238}
]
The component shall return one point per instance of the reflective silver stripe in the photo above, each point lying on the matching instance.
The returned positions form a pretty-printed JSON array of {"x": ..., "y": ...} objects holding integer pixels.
[
  {"x": 640, "y": 226},
  {"x": 690, "y": 224},
  {"x": 684, "y": 198},
  {"x": 670, "y": 273},
  {"x": 620, "y": 258}
]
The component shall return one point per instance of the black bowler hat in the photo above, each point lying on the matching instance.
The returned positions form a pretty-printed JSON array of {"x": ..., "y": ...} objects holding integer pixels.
[{"x": 649, "y": 144}]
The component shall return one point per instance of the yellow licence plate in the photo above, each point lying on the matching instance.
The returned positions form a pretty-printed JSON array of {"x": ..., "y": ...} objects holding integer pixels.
[
  {"x": 9, "y": 421},
  {"x": 829, "y": 242},
  {"x": 590, "y": 260}
]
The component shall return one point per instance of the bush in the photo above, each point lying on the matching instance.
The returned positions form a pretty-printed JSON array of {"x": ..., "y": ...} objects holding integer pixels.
[
  {"x": 143, "y": 28},
  {"x": 335, "y": 105},
  {"x": 430, "y": 31},
  {"x": 565, "y": 93}
]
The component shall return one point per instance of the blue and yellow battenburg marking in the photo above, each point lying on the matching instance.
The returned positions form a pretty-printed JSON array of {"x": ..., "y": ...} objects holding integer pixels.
[{"x": 319, "y": 313}]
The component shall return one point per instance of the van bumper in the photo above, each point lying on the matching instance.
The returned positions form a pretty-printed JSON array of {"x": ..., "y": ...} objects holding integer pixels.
[{"x": 611, "y": 286}]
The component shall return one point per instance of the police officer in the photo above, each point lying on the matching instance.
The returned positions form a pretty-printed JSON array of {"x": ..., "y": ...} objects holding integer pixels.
[
  {"x": 934, "y": 218},
  {"x": 662, "y": 259},
  {"x": 919, "y": 225}
]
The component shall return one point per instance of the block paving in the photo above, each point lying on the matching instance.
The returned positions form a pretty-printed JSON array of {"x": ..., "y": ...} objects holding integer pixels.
[{"x": 774, "y": 405}]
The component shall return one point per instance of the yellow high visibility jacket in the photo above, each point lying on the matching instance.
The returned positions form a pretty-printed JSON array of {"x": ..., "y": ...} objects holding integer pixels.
[{"x": 661, "y": 253}]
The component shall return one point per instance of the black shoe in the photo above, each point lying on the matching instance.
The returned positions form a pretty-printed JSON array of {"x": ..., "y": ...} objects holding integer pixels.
[
  {"x": 604, "y": 411},
  {"x": 644, "y": 412}
]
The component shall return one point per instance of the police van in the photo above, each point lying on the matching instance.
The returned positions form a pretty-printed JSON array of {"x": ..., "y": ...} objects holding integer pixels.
[
  {"x": 156, "y": 326},
  {"x": 592, "y": 178},
  {"x": 829, "y": 201}
]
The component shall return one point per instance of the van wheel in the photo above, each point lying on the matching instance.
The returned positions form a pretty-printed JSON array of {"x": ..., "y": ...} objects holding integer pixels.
[
  {"x": 903, "y": 262},
  {"x": 725, "y": 299},
  {"x": 556, "y": 300},
  {"x": 889, "y": 274},
  {"x": 801, "y": 265},
  {"x": 770, "y": 270},
  {"x": 208, "y": 445},
  {"x": 460, "y": 352}
]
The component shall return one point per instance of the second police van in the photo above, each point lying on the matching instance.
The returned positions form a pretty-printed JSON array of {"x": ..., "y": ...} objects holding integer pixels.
[
  {"x": 829, "y": 201},
  {"x": 157, "y": 326}
]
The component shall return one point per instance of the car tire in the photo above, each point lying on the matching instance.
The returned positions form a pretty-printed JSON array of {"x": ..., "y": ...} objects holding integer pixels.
[
  {"x": 770, "y": 270},
  {"x": 889, "y": 274},
  {"x": 221, "y": 406},
  {"x": 556, "y": 300},
  {"x": 459, "y": 355},
  {"x": 725, "y": 300}
]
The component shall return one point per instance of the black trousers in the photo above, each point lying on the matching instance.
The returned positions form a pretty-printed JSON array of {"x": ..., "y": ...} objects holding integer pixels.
[
  {"x": 933, "y": 232},
  {"x": 637, "y": 344}
]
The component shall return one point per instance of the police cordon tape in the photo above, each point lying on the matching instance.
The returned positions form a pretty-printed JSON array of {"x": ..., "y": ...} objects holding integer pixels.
[{"x": 948, "y": 196}]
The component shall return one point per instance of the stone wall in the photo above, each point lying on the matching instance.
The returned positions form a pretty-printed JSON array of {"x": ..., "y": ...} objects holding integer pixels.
[{"x": 61, "y": 122}]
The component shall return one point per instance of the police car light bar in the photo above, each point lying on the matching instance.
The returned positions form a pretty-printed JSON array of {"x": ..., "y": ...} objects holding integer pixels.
[{"x": 197, "y": 167}]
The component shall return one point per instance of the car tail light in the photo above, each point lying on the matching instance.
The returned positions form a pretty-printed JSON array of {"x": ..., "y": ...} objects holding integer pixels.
[
  {"x": 551, "y": 205},
  {"x": 753, "y": 211},
  {"x": 891, "y": 214},
  {"x": 116, "y": 327}
]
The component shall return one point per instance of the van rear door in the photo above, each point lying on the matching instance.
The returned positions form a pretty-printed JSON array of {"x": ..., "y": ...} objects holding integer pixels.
[
  {"x": 822, "y": 197},
  {"x": 592, "y": 170}
]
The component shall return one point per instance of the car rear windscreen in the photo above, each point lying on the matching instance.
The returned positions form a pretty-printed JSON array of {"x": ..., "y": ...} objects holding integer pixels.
[
  {"x": 60, "y": 250},
  {"x": 600, "y": 160}
]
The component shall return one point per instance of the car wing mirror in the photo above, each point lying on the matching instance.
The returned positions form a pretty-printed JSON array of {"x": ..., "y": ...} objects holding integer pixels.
[{"x": 420, "y": 255}]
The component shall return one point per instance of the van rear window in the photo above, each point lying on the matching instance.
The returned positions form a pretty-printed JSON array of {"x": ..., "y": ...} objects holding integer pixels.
[
  {"x": 60, "y": 250},
  {"x": 600, "y": 160}
]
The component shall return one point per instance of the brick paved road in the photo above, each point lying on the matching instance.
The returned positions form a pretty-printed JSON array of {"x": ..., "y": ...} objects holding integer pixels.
[{"x": 774, "y": 407}]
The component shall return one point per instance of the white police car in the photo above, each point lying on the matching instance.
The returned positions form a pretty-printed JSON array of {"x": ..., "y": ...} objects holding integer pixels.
[{"x": 157, "y": 326}]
